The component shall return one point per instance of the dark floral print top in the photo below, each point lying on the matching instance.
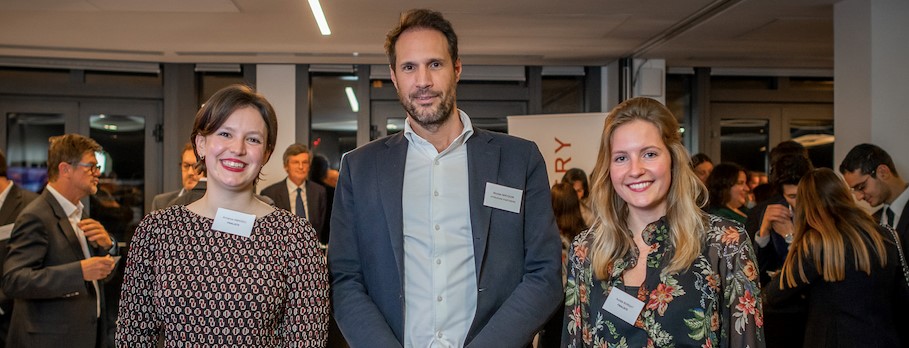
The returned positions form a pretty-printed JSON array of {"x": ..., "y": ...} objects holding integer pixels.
[{"x": 714, "y": 303}]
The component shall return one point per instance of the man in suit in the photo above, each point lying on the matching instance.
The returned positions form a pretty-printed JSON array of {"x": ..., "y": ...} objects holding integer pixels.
[
  {"x": 57, "y": 257},
  {"x": 442, "y": 235},
  {"x": 12, "y": 200},
  {"x": 297, "y": 194},
  {"x": 871, "y": 174},
  {"x": 189, "y": 175}
]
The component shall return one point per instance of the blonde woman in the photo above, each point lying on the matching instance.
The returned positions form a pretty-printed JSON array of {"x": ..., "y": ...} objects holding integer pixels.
[
  {"x": 654, "y": 270},
  {"x": 846, "y": 265}
]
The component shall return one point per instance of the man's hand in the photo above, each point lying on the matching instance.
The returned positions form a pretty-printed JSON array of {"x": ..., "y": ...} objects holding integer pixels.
[
  {"x": 780, "y": 219},
  {"x": 95, "y": 233},
  {"x": 96, "y": 268}
]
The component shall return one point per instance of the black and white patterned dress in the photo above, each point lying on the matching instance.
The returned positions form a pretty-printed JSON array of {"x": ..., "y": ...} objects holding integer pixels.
[{"x": 202, "y": 287}]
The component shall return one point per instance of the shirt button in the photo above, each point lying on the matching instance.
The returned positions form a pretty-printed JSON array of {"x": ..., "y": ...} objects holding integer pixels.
[
  {"x": 436, "y": 162},
  {"x": 439, "y": 298},
  {"x": 438, "y": 227},
  {"x": 439, "y": 334},
  {"x": 438, "y": 261},
  {"x": 435, "y": 193}
]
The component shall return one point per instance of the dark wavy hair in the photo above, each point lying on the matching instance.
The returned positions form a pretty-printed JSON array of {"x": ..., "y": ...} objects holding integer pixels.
[
  {"x": 577, "y": 174},
  {"x": 723, "y": 177}
]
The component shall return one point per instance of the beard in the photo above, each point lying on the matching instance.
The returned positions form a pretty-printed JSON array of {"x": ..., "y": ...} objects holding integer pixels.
[{"x": 432, "y": 117}]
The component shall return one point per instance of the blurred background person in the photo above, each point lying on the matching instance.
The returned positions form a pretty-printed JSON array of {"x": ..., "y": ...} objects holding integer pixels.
[
  {"x": 577, "y": 178},
  {"x": 318, "y": 173},
  {"x": 12, "y": 200},
  {"x": 187, "y": 260},
  {"x": 702, "y": 166},
  {"x": 846, "y": 265},
  {"x": 728, "y": 190},
  {"x": 567, "y": 210},
  {"x": 691, "y": 274},
  {"x": 297, "y": 193},
  {"x": 189, "y": 177}
]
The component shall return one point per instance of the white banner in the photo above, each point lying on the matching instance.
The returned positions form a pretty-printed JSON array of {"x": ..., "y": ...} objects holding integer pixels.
[{"x": 566, "y": 140}]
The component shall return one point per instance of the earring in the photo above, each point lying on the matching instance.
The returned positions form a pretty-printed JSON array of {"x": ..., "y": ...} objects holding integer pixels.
[{"x": 202, "y": 158}]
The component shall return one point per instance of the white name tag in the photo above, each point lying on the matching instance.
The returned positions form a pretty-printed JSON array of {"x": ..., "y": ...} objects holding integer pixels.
[
  {"x": 503, "y": 197},
  {"x": 623, "y": 305},
  {"x": 234, "y": 222}
]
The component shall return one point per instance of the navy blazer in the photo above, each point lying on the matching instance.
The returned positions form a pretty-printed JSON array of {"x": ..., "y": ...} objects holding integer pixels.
[
  {"x": 15, "y": 201},
  {"x": 316, "y": 202},
  {"x": 518, "y": 255},
  {"x": 54, "y": 305}
]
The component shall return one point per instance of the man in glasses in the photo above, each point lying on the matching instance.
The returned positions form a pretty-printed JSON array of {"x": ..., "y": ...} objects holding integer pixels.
[
  {"x": 189, "y": 175},
  {"x": 870, "y": 172},
  {"x": 57, "y": 256}
]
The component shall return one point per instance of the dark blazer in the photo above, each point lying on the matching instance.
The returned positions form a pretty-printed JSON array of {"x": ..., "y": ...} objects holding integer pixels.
[
  {"x": 902, "y": 228},
  {"x": 771, "y": 256},
  {"x": 518, "y": 255},
  {"x": 15, "y": 201},
  {"x": 859, "y": 311},
  {"x": 54, "y": 306},
  {"x": 163, "y": 200},
  {"x": 316, "y": 201}
]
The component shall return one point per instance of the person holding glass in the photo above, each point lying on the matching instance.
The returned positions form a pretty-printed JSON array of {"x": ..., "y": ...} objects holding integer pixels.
[
  {"x": 227, "y": 269},
  {"x": 847, "y": 266},
  {"x": 654, "y": 270}
]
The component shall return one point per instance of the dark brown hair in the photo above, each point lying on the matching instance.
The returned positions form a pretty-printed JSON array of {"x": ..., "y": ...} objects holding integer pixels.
[
  {"x": 67, "y": 148},
  {"x": 421, "y": 19},
  {"x": 221, "y": 105},
  {"x": 567, "y": 210}
]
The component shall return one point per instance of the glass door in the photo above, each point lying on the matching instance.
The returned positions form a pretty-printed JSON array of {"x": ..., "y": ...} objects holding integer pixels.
[{"x": 26, "y": 126}]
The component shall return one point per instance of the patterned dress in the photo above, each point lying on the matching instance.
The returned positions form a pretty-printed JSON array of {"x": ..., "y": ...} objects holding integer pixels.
[
  {"x": 205, "y": 288},
  {"x": 714, "y": 303}
]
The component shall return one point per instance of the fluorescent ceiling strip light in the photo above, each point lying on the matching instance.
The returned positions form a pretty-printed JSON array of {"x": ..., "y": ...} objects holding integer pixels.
[
  {"x": 320, "y": 17},
  {"x": 352, "y": 98}
]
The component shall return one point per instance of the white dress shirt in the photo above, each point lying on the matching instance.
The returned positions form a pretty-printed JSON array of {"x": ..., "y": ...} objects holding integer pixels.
[
  {"x": 292, "y": 193},
  {"x": 440, "y": 280},
  {"x": 74, "y": 214},
  {"x": 897, "y": 206}
]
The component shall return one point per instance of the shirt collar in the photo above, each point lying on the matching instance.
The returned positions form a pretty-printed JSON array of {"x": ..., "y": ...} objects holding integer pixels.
[
  {"x": 466, "y": 132},
  {"x": 68, "y": 207},
  {"x": 900, "y": 203},
  {"x": 291, "y": 187}
]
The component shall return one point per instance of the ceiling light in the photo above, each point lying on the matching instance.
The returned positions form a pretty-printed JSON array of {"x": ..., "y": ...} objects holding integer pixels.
[
  {"x": 320, "y": 17},
  {"x": 352, "y": 98}
]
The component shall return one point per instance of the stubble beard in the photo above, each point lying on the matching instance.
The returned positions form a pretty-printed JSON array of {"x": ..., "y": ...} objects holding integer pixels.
[{"x": 429, "y": 119}]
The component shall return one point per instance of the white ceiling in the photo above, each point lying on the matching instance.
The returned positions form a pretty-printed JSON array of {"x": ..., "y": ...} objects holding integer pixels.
[{"x": 742, "y": 34}]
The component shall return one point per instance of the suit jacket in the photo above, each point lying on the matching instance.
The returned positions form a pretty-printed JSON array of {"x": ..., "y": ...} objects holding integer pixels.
[
  {"x": 902, "y": 228},
  {"x": 771, "y": 256},
  {"x": 15, "y": 201},
  {"x": 316, "y": 201},
  {"x": 162, "y": 201},
  {"x": 54, "y": 305},
  {"x": 517, "y": 255}
]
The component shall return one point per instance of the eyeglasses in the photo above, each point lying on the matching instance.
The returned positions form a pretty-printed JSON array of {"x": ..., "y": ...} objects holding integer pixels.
[
  {"x": 93, "y": 167},
  {"x": 860, "y": 187},
  {"x": 187, "y": 166}
]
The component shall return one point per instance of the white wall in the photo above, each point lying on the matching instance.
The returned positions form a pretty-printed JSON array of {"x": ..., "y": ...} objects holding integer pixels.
[
  {"x": 871, "y": 97},
  {"x": 278, "y": 84}
]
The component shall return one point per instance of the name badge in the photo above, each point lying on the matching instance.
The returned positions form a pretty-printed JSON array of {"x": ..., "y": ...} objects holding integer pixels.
[
  {"x": 503, "y": 197},
  {"x": 623, "y": 305},
  {"x": 234, "y": 222}
]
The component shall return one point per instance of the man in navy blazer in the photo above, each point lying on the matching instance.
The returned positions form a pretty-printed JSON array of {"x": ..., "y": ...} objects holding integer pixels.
[{"x": 442, "y": 235}]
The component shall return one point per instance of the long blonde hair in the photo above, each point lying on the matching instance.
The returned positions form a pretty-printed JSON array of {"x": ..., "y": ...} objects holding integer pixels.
[
  {"x": 826, "y": 217},
  {"x": 612, "y": 238}
]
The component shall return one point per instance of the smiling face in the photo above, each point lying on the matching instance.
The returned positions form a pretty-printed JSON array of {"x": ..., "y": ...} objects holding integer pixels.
[
  {"x": 425, "y": 76},
  {"x": 641, "y": 168},
  {"x": 297, "y": 168},
  {"x": 738, "y": 193},
  {"x": 235, "y": 152},
  {"x": 868, "y": 187}
]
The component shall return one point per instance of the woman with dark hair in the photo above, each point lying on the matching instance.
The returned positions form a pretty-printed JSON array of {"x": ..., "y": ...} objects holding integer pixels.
[
  {"x": 577, "y": 178},
  {"x": 728, "y": 190},
  {"x": 655, "y": 270},
  {"x": 567, "y": 210},
  {"x": 702, "y": 166},
  {"x": 848, "y": 267},
  {"x": 228, "y": 269}
]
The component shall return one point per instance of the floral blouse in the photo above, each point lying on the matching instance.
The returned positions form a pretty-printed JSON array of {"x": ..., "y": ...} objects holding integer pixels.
[{"x": 714, "y": 303}]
